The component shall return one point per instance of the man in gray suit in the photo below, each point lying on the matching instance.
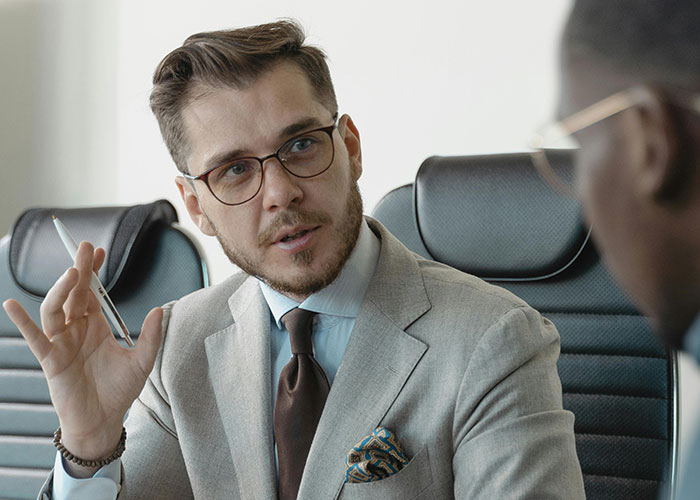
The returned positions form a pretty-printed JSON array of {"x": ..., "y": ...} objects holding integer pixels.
[
  {"x": 630, "y": 100},
  {"x": 441, "y": 386}
]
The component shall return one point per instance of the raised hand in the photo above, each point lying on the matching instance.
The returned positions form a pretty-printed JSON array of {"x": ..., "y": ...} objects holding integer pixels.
[{"x": 92, "y": 379}]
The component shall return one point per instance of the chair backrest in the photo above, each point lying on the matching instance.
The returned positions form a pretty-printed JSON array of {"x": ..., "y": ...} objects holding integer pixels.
[
  {"x": 492, "y": 216},
  {"x": 149, "y": 262}
]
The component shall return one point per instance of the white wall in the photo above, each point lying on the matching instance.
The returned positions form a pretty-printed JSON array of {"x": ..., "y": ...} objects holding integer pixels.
[
  {"x": 434, "y": 78},
  {"x": 58, "y": 122},
  {"x": 439, "y": 77}
]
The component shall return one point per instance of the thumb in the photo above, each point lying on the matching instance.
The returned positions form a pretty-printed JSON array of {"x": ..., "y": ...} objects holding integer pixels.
[{"x": 150, "y": 339}]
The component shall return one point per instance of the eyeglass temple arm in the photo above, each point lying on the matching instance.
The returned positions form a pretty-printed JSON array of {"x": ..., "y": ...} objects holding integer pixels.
[{"x": 595, "y": 113}]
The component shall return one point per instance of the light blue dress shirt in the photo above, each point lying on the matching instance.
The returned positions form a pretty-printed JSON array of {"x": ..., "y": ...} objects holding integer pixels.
[{"x": 337, "y": 306}]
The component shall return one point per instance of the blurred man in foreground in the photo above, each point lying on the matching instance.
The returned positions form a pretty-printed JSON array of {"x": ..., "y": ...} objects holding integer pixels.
[{"x": 630, "y": 99}]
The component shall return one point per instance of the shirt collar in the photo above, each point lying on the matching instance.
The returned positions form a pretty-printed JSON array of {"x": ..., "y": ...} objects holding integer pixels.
[
  {"x": 344, "y": 296},
  {"x": 691, "y": 343}
]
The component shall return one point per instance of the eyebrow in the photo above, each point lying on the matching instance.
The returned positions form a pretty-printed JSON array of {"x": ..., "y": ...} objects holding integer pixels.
[{"x": 286, "y": 133}]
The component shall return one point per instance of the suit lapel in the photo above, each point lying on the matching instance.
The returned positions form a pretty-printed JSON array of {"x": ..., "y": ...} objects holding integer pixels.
[
  {"x": 239, "y": 370},
  {"x": 378, "y": 360}
]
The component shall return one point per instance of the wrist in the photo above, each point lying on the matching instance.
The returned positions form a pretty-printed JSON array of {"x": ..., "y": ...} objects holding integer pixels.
[
  {"x": 94, "y": 445},
  {"x": 81, "y": 466}
]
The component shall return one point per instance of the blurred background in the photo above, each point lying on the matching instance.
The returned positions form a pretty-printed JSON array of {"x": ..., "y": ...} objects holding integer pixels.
[
  {"x": 439, "y": 77},
  {"x": 435, "y": 78}
]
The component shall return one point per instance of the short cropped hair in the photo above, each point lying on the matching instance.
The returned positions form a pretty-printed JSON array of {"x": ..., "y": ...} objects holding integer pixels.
[
  {"x": 657, "y": 40},
  {"x": 230, "y": 58}
]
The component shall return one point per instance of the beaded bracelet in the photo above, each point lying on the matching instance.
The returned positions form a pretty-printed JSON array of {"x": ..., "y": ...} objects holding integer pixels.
[{"x": 89, "y": 463}]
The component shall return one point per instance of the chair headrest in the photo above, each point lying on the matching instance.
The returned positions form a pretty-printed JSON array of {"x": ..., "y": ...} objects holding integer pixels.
[
  {"x": 469, "y": 216},
  {"x": 38, "y": 257}
]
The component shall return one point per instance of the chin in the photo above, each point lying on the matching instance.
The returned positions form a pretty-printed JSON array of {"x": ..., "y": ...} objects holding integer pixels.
[
  {"x": 672, "y": 328},
  {"x": 672, "y": 337},
  {"x": 301, "y": 284}
]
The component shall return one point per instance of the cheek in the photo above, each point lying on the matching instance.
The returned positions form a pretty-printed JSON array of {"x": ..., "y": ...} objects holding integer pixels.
[
  {"x": 332, "y": 191},
  {"x": 587, "y": 186},
  {"x": 597, "y": 179},
  {"x": 236, "y": 224},
  {"x": 605, "y": 205}
]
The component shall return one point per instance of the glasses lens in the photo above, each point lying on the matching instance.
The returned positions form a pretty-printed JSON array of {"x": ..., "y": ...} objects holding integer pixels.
[
  {"x": 555, "y": 160},
  {"x": 236, "y": 182},
  {"x": 308, "y": 154}
]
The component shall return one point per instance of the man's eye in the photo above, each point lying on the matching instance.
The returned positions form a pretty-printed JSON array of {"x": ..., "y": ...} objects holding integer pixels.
[
  {"x": 301, "y": 144},
  {"x": 237, "y": 168}
]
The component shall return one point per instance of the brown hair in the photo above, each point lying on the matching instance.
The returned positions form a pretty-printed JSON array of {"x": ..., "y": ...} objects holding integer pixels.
[{"x": 230, "y": 58}]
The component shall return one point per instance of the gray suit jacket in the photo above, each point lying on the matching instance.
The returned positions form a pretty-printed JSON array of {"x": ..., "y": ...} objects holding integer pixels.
[{"x": 464, "y": 373}]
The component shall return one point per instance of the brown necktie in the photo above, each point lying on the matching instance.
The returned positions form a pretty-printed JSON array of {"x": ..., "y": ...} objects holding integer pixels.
[{"x": 301, "y": 394}]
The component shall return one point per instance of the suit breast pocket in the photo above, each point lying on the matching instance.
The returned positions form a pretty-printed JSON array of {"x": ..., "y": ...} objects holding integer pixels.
[{"x": 407, "y": 484}]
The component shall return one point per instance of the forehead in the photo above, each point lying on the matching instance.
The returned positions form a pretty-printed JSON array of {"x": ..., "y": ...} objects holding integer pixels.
[{"x": 251, "y": 119}]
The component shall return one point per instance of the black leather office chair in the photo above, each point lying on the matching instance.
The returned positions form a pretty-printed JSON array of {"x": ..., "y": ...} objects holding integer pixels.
[
  {"x": 493, "y": 216},
  {"x": 149, "y": 262}
]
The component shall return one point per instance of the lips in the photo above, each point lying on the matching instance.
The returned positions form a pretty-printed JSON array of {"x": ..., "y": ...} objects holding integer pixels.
[
  {"x": 294, "y": 236},
  {"x": 295, "y": 239},
  {"x": 290, "y": 233}
]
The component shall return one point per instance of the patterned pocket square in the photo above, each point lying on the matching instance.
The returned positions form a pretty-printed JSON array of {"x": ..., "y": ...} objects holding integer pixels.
[{"x": 377, "y": 456}]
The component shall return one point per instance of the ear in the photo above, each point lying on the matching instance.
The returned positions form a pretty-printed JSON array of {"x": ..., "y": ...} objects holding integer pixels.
[
  {"x": 351, "y": 138},
  {"x": 189, "y": 196},
  {"x": 658, "y": 169}
]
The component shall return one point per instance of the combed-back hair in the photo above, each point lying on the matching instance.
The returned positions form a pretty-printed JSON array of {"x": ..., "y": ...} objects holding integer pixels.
[
  {"x": 230, "y": 58},
  {"x": 655, "y": 40}
]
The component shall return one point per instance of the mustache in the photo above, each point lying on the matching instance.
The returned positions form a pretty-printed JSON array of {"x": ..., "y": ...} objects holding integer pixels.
[{"x": 290, "y": 218}]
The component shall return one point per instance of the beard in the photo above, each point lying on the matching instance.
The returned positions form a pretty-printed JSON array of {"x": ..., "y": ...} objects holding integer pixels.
[{"x": 344, "y": 233}]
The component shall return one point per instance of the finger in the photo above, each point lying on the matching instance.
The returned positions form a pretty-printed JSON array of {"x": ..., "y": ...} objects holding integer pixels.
[
  {"x": 98, "y": 260},
  {"x": 93, "y": 305},
  {"x": 38, "y": 343},
  {"x": 77, "y": 304},
  {"x": 150, "y": 339},
  {"x": 53, "y": 318}
]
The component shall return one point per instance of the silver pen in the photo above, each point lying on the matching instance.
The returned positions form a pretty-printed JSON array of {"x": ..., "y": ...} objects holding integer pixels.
[{"x": 95, "y": 285}]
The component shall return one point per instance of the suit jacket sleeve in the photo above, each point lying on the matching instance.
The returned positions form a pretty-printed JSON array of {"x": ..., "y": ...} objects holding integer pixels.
[
  {"x": 514, "y": 440},
  {"x": 153, "y": 448}
]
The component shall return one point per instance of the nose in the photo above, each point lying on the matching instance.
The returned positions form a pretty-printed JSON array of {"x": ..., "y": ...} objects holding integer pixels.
[{"x": 280, "y": 189}]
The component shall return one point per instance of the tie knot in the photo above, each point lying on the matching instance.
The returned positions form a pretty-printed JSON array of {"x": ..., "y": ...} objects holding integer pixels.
[{"x": 298, "y": 324}]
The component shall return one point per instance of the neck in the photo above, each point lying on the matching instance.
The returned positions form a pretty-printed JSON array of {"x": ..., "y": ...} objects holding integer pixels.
[
  {"x": 679, "y": 306},
  {"x": 295, "y": 297}
]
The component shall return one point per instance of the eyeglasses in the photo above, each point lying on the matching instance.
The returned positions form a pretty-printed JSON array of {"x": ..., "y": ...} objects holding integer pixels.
[
  {"x": 238, "y": 181},
  {"x": 551, "y": 139}
]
